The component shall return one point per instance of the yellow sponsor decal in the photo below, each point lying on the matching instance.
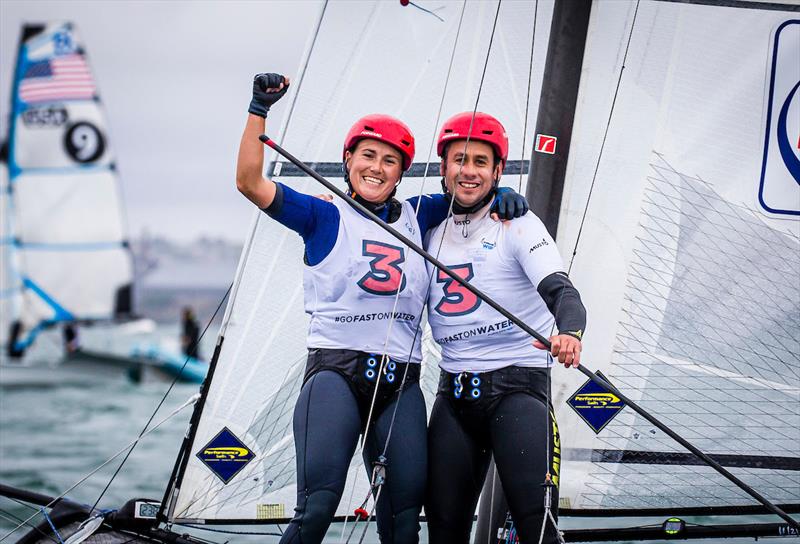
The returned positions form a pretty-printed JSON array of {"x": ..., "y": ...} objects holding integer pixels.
[
  {"x": 596, "y": 399},
  {"x": 228, "y": 452},
  {"x": 556, "y": 468}
]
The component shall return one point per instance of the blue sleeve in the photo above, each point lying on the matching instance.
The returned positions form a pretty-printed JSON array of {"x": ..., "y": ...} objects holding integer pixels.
[
  {"x": 433, "y": 209},
  {"x": 315, "y": 220}
]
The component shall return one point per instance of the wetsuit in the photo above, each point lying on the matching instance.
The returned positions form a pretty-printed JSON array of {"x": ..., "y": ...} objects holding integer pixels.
[
  {"x": 351, "y": 280},
  {"x": 493, "y": 391}
]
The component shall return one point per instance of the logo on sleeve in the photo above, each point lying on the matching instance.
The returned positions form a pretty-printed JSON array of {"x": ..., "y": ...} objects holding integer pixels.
[
  {"x": 385, "y": 276},
  {"x": 537, "y": 245},
  {"x": 457, "y": 299}
]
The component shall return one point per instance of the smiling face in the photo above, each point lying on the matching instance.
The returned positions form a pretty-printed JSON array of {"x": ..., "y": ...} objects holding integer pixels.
[
  {"x": 471, "y": 182},
  {"x": 374, "y": 168}
]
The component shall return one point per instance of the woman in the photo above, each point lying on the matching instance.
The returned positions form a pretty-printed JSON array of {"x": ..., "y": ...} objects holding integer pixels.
[{"x": 354, "y": 272}]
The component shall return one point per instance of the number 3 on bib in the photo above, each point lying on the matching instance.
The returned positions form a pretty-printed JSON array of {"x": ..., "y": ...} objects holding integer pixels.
[
  {"x": 457, "y": 300},
  {"x": 385, "y": 274}
]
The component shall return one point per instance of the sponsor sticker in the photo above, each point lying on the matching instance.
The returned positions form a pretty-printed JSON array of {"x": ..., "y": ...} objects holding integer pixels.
[
  {"x": 779, "y": 185},
  {"x": 596, "y": 406},
  {"x": 225, "y": 455},
  {"x": 546, "y": 144}
]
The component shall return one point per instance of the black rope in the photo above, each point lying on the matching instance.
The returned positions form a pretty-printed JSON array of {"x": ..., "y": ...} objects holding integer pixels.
[{"x": 161, "y": 402}]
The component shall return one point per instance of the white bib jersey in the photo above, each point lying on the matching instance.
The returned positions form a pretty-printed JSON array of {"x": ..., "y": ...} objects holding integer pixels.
[
  {"x": 506, "y": 261},
  {"x": 351, "y": 293}
]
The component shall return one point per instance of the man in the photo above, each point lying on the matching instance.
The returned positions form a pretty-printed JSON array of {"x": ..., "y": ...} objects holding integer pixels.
[
  {"x": 493, "y": 393},
  {"x": 190, "y": 333}
]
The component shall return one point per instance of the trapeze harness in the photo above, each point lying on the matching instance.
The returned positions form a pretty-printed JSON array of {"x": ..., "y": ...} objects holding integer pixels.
[
  {"x": 351, "y": 281},
  {"x": 493, "y": 395}
]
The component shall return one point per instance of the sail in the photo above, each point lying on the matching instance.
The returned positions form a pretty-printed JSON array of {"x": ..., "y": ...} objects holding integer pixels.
[
  {"x": 382, "y": 57},
  {"x": 65, "y": 248},
  {"x": 689, "y": 257},
  {"x": 691, "y": 284}
]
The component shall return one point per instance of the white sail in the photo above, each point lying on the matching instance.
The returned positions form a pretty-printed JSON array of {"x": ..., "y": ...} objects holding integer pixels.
[
  {"x": 65, "y": 250},
  {"x": 691, "y": 280},
  {"x": 673, "y": 234},
  {"x": 369, "y": 57}
]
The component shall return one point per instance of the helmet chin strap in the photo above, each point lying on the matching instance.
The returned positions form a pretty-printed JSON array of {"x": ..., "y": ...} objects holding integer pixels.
[{"x": 462, "y": 210}]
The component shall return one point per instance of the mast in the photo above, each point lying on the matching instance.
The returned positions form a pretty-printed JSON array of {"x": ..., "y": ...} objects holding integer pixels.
[
  {"x": 559, "y": 95},
  {"x": 562, "y": 74}
]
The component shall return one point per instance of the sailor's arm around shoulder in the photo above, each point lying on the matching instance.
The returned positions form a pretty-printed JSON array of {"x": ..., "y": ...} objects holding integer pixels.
[{"x": 267, "y": 89}]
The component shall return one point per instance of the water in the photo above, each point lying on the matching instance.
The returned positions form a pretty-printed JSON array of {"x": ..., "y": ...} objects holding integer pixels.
[{"x": 51, "y": 437}]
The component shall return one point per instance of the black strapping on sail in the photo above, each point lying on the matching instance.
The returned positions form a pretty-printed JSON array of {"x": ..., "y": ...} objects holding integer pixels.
[{"x": 430, "y": 170}]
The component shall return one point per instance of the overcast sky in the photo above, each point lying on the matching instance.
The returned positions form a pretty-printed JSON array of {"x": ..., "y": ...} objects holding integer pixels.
[{"x": 174, "y": 78}]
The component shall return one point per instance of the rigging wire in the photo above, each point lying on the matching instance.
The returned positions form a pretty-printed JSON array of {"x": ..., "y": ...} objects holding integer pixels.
[
  {"x": 548, "y": 414},
  {"x": 163, "y": 399},
  {"x": 131, "y": 445},
  {"x": 449, "y": 214},
  {"x": 416, "y": 213},
  {"x": 528, "y": 98},
  {"x": 605, "y": 137},
  {"x": 522, "y": 325},
  {"x": 295, "y": 93},
  {"x": 452, "y": 202},
  {"x": 13, "y": 518},
  {"x": 283, "y": 130}
]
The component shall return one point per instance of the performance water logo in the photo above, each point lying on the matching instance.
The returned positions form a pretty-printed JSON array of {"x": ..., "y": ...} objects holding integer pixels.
[
  {"x": 225, "y": 455},
  {"x": 596, "y": 406},
  {"x": 779, "y": 186}
]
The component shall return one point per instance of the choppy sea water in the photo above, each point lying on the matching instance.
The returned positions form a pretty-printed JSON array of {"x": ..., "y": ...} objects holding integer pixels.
[{"x": 51, "y": 437}]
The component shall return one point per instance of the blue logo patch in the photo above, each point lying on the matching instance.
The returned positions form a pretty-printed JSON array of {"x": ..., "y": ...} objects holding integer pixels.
[
  {"x": 779, "y": 186},
  {"x": 596, "y": 406},
  {"x": 225, "y": 455}
]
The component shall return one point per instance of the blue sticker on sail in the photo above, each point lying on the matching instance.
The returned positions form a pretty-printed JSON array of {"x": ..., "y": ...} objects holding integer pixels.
[
  {"x": 596, "y": 406},
  {"x": 225, "y": 455},
  {"x": 779, "y": 186}
]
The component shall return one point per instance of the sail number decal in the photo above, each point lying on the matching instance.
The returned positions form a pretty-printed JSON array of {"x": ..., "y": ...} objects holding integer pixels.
[
  {"x": 457, "y": 300},
  {"x": 385, "y": 275},
  {"x": 50, "y": 116},
  {"x": 84, "y": 142}
]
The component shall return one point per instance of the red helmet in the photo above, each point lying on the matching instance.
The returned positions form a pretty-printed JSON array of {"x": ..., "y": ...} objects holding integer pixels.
[
  {"x": 485, "y": 128},
  {"x": 383, "y": 128}
]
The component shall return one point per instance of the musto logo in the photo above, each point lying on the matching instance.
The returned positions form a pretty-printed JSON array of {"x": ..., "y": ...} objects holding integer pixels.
[{"x": 779, "y": 187}]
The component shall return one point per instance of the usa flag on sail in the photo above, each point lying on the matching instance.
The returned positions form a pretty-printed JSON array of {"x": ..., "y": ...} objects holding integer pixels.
[{"x": 64, "y": 77}]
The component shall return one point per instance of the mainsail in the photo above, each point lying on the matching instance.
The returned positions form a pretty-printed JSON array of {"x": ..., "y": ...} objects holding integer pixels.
[
  {"x": 698, "y": 278},
  {"x": 691, "y": 283},
  {"x": 383, "y": 57},
  {"x": 65, "y": 250}
]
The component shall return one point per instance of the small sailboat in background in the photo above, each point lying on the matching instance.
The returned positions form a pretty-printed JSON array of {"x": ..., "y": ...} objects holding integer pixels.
[{"x": 66, "y": 257}]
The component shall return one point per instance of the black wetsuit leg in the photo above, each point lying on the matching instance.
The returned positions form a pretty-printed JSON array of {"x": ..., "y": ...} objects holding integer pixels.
[
  {"x": 401, "y": 498},
  {"x": 326, "y": 427},
  {"x": 458, "y": 459},
  {"x": 519, "y": 427}
]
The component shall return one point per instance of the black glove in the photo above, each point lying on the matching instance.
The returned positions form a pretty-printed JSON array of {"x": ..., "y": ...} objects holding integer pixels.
[
  {"x": 262, "y": 100},
  {"x": 509, "y": 204}
]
